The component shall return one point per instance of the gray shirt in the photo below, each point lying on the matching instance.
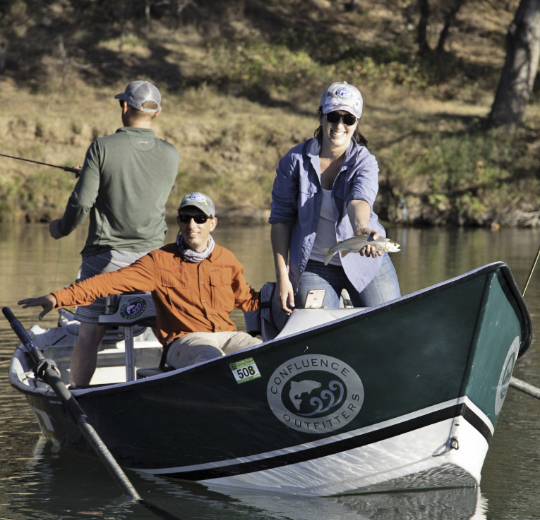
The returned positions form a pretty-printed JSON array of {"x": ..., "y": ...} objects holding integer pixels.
[{"x": 124, "y": 184}]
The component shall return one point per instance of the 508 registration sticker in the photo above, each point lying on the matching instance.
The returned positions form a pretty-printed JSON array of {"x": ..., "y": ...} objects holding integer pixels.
[{"x": 245, "y": 370}]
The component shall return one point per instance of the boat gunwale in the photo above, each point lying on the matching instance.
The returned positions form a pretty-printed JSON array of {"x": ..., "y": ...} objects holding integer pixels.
[{"x": 361, "y": 315}]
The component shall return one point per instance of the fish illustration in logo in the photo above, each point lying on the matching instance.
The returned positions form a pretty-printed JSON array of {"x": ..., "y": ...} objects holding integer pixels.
[
  {"x": 301, "y": 387},
  {"x": 132, "y": 308}
]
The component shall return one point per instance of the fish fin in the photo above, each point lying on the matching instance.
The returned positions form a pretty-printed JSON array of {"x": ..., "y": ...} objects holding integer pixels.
[
  {"x": 344, "y": 254},
  {"x": 327, "y": 254}
]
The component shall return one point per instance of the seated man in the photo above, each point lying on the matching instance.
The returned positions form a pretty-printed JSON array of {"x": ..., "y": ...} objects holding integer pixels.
[{"x": 195, "y": 285}]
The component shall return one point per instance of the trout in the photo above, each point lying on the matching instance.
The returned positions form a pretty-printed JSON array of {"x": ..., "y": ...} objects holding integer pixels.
[{"x": 354, "y": 244}]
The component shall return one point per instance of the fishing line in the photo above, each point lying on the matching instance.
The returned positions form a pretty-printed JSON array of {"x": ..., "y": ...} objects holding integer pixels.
[
  {"x": 517, "y": 383},
  {"x": 65, "y": 168},
  {"x": 531, "y": 272}
]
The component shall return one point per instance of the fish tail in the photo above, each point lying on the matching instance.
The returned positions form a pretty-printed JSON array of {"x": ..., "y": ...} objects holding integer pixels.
[{"x": 328, "y": 254}]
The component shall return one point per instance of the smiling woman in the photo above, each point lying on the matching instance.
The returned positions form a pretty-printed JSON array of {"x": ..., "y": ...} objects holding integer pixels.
[{"x": 324, "y": 193}]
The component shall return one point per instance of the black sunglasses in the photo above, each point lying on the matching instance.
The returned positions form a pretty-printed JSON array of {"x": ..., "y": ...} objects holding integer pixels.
[
  {"x": 199, "y": 219},
  {"x": 121, "y": 102},
  {"x": 336, "y": 117}
]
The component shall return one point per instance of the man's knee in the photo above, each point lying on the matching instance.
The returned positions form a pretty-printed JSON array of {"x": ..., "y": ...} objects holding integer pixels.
[
  {"x": 183, "y": 354},
  {"x": 240, "y": 341}
]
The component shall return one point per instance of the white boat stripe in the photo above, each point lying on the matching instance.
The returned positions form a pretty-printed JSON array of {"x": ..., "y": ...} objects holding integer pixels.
[{"x": 328, "y": 440}]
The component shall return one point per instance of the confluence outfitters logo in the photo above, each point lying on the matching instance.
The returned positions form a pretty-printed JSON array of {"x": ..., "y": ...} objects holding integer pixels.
[
  {"x": 315, "y": 393},
  {"x": 506, "y": 374},
  {"x": 133, "y": 308}
]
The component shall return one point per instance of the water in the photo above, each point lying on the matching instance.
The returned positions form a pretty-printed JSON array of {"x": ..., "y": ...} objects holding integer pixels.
[{"x": 37, "y": 480}]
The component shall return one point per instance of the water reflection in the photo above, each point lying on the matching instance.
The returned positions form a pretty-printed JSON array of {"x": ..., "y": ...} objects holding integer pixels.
[
  {"x": 38, "y": 481},
  {"x": 53, "y": 483}
]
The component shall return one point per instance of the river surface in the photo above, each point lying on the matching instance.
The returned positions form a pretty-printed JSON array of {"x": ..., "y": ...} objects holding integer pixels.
[{"x": 37, "y": 480}]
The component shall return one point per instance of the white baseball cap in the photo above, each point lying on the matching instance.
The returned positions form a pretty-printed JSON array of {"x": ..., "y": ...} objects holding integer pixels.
[
  {"x": 201, "y": 201},
  {"x": 342, "y": 96},
  {"x": 139, "y": 92}
]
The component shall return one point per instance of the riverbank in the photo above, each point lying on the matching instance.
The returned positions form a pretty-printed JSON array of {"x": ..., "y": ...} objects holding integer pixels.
[{"x": 241, "y": 87}]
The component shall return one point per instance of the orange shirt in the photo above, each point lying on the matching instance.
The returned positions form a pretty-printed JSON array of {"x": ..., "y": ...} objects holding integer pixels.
[{"x": 189, "y": 297}]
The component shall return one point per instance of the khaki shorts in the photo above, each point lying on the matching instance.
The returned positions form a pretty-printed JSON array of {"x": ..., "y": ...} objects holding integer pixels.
[
  {"x": 103, "y": 263},
  {"x": 197, "y": 347}
]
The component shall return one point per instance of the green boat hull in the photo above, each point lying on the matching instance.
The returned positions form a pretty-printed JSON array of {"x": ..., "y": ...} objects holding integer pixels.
[{"x": 399, "y": 396}]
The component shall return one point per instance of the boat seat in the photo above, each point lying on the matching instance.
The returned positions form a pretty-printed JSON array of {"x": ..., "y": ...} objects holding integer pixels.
[
  {"x": 130, "y": 310},
  {"x": 148, "y": 372},
  {"x": 302, "y": 319},
  {"x": 127, "y": 310}
]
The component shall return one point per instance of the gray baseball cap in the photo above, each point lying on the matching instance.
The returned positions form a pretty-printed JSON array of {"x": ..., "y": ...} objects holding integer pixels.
[
  {"x": 201, "y": 201},
  {"x": 138, "y": 92},
  {"x": 342, "y": 96}
]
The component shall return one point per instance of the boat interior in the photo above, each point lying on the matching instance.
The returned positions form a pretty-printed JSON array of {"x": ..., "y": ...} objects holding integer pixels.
[{"x": 130, "y": 349}]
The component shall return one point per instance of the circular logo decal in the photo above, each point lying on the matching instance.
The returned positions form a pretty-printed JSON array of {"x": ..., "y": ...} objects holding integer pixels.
[
  {"x": 506, "y": 374},
  {"x": 133, "y": 308},
  {"x": 343, "y": 93},
  {"x": 315, "y": 393}
]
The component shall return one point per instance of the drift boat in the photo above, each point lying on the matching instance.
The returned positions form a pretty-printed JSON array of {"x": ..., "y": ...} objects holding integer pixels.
[{"x": 405, "y": 395}]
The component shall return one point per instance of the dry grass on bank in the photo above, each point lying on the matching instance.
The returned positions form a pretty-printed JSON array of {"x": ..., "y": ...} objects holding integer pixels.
[
  {"x": 241, "y": 81},
  {"x": 230, "y": 148}
]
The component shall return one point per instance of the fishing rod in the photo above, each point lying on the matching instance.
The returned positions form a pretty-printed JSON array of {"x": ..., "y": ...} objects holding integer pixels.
[
  {"x": 517, "y": 383},
  {"x": 65, "y": 168},
  {"x": 530, "y": 273}
]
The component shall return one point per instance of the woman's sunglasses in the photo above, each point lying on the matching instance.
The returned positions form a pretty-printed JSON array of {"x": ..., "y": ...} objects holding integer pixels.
[
  {"x": 199, "y": 219},
  {"x": 336, "y": 117}
]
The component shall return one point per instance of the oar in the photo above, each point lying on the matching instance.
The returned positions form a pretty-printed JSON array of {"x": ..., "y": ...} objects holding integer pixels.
[
  {"x": 525, "y": 387},
  {"x": 46, "y": 370},
  {"x": 65, "y": 168},
  {"x": 517, "y": 383}
]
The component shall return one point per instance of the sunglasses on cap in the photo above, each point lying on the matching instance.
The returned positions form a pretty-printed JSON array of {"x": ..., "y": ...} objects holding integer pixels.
[
  {"x": 336, "y": 117},
  {"x": 199, "y": 219}
]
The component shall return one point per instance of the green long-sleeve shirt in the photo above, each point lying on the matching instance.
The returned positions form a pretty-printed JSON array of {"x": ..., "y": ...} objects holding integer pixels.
[{"x": 124, "y": 184}]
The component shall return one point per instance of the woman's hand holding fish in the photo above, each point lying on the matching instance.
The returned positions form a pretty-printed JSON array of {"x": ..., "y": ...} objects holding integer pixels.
[{"x": 369, "y": 250}]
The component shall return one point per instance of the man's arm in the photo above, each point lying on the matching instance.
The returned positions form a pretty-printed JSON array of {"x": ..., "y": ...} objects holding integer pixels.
[
  {"x": 245, "y": 298},
  {"x": 82, "y": 198},
  {"x": 136, "y": 277},
  {"x": 48, "y": 302}
]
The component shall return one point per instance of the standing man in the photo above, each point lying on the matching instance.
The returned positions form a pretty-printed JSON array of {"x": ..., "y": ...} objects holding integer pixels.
[
  {"x": 195, "y": 285},
  {"x": 124, "y": 184}
]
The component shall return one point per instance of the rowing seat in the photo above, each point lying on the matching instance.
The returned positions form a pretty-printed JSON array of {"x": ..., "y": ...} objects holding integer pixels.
[
  {"x": 303, "y": 319},
  {"x": 130, "y": 310}
]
